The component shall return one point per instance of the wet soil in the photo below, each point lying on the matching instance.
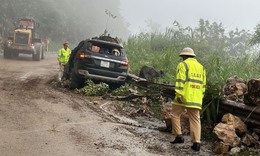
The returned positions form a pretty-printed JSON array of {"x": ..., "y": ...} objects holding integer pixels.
[{"x": 40, "y": 117}]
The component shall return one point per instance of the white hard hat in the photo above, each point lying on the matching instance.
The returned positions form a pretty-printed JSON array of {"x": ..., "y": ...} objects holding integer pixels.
[{"x": 187, "y": 51}]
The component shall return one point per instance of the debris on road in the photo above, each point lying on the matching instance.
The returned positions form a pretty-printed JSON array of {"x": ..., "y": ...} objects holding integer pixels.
[{"x": 232, "y": 133}]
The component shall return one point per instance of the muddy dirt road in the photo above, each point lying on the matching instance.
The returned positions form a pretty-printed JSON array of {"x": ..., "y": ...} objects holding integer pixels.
[{"x": 40, "y": 118}]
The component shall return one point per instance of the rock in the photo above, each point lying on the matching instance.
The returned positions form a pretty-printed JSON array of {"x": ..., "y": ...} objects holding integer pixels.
[
  {"x": 257, "y": 145},
  {"x": 252, "y": 98},
  {"x": 227, "y": 134},
  {"x": 149, "y": 73},
  {"x": 234, "y": 151},
  {"x": 235, "y": 88},
  {"x": 166, "y": 111},
  {"x": 96, "y": 102},
  {"x": 168, "y": 127},
  {"x": 221, "y": 148},
  {"x": 243, "y": 147},
  {"x": 166, "y": 115},
  {"x": 255, "y": 136},
  {"x": 132, "y": 91},
  {"x": 257, "y": 131},
  {"x": 238, "y": 124},
  {"x": 248, "y": 140}
]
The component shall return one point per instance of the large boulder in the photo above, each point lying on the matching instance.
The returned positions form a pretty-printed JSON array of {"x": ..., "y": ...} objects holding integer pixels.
[
  {"x": 234, "y": 151},
  {"x": 256, "y": 134},
  {"x": 235, "y": 88},
  {"x": 221, "y": 148},
  {"x": 248, "y": 140},
  {"x": 252, "y": 98},
  {"x": 239, "y": 125},
  {"x": 227, "y": 134},
  {"x": 166, "y": 111},
  {"x": 166, "y": 115},
  {"x": 149, "y": 73}
]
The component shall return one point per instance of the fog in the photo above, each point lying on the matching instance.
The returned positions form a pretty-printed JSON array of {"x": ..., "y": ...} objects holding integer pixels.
[
  {"x": 66, "y": 19},
  {"x": 80, "y": 19},
  {"x": 233, "y": 14}
]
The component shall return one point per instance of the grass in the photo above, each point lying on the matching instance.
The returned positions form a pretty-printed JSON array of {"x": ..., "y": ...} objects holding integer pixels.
[
  {"x": 156, "y": 109},
  {"x": 220, "y": 64}
]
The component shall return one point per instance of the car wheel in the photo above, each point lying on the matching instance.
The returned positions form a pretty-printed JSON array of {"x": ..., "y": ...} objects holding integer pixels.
[
  {"x": 43, "y": 54},
  {"x": 7, "y": 53},
  {"x": 37, "y": 56},
  {"x": 15, "y": 54},
  {"x": 75, "y": 82},
  {"x": 66, "y": 73},
  {"x": 114, "y": 86}
]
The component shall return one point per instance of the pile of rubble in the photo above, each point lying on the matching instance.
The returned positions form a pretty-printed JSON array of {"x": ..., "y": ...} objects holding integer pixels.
[
  {"x": 232, "y": 133},
  {"x": 239, "y": 90},
  {"x": 165, "y": 116},
  {"x": 234, "y": 137}
]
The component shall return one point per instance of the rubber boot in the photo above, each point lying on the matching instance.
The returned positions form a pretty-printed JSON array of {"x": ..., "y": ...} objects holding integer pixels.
[
  {"x": 178, "y": 139},
  {"x": 195, "y": 146}
]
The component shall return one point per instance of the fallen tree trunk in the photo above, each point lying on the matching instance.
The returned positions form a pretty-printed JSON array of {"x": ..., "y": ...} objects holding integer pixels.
[{"x": 166, "y": 90}]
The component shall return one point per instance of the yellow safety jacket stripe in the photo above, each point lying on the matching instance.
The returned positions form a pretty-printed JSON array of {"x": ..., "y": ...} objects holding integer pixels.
[
  {"x": 190, "y": 83},
  {"x": 189, "y": 104},
  {"x": 187, "y": 75}
]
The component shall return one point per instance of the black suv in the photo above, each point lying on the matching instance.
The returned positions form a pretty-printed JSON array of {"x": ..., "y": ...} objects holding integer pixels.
[{"x": 100, "y": 59}]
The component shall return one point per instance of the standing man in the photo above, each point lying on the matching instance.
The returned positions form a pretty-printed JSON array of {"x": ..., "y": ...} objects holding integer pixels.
[
  {"x": 63, "y": 58},
  {"x": 190, "y": 88}
]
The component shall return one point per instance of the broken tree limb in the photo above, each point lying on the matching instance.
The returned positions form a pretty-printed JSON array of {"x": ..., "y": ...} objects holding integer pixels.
[
  {"x": 134, "y": 96},
  {"x": 166, "y": 90}
]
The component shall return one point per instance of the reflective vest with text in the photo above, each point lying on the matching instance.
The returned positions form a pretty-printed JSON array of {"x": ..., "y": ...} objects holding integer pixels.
[{"x": 190, "y": 83}]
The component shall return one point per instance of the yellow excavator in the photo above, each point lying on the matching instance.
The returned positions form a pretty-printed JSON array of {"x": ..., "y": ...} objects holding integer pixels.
[{"x": 25, "y": 40}]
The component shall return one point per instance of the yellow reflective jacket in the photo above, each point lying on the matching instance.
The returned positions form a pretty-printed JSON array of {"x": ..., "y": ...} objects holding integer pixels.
[
  {"x": 63, "y": 55},
  {"x": 190, "y": 83}
]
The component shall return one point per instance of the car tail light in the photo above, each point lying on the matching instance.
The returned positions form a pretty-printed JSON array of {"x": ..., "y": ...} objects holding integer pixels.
[
  {"x": 82, "y": 55},
  {"x": 124, "y": 63},
  {"x": 121, "y": 78}
]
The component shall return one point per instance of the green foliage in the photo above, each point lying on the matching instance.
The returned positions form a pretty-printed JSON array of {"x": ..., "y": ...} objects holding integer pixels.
[
  {"x": 249, "y": 153},
  {"x": 223, "y": 54},
  {"x": 156, "y": 108},
  {"x": 92, "y": 89},
  {"x": 256, "y": 36},
  {"x": 121, "y": 91}
]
